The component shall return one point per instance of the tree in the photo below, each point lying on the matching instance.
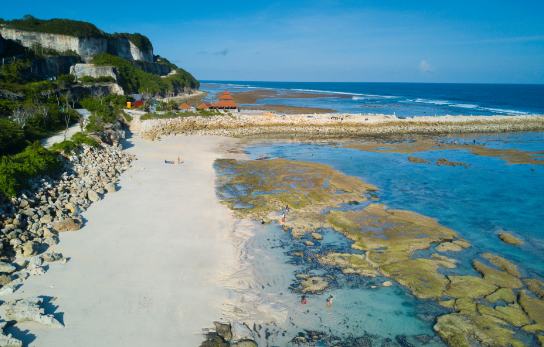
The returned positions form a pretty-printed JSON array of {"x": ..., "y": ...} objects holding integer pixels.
[
  {"x": 21, "y": 115},
  {"x": 99, "y": 93},
  {"x": 67, "y": 117},
  {"x": 82, "y": 120}
]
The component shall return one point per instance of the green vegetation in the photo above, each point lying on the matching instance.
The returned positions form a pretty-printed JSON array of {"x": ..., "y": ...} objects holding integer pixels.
[
  {"x": 41, "y": 52},
  {"x": 16, "y": 170},
  {"x": 55, "y": 26},
  {"x": 73, "y": 28},
  {"x": 133, "y": 80},
  {"x": 92, "y": 80},
  {"x": 104, "y": 110},
  {"x": 72, "y": 146}
]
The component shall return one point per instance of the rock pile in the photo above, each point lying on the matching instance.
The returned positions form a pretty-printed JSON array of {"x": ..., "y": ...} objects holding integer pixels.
[
  {"x": 330, "y": 125},
  {"x": 31, "y": 222}
]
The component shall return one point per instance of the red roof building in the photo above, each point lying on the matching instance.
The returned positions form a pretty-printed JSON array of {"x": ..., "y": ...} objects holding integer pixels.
[
  {"x": 203, "y": 107},
  {"x": 137, "y": 103},
  {"x": 225, "y": 102},
  {"x": 184, "y": 106}
]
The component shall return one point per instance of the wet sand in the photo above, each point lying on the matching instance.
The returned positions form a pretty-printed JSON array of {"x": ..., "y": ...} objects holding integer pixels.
[{"x": 146, "y": 268}]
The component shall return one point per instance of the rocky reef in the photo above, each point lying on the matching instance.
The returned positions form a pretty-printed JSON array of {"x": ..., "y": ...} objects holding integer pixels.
[{"x": 486, "y": 309}]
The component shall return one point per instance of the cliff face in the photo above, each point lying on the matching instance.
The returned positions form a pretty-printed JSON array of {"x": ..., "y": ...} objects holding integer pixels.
[
  {"x": 2, "y": 46},
  {"x": 53, "y": 66},
  {"x": 154, "y": 68},
  {"x": 86, "y": 47},
  {"x": 80, "y": 70}
]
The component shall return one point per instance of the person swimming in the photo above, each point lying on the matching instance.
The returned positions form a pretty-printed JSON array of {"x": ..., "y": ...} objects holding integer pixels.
[{"x": 303, "y": 300}]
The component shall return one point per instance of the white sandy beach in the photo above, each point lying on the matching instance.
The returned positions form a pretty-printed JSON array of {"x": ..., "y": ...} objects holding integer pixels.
[{"x": 145, "y": 269}]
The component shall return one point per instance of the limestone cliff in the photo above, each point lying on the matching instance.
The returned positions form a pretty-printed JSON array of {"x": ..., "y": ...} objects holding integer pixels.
[
  {"x": 80, "y": 70},
  {"x": 86, "y": 47},
  {"x": 53, "y": 66},
  {"x": 154, "y": 68}
]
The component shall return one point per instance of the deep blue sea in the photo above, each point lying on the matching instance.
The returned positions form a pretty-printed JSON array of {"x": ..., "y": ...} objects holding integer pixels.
[{"x": 403, "y": 99}]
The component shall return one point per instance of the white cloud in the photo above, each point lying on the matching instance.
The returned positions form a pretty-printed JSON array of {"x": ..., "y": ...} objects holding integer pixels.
[{"x": 425, "y": 67}]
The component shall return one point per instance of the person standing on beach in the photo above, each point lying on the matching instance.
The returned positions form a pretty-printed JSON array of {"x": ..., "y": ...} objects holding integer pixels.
[
  {"x": 287, "y": 209},
  {"x": 283, "y": 217},
  {"x": 329, "y": 301},
  {"x": 179, "y": 161}
]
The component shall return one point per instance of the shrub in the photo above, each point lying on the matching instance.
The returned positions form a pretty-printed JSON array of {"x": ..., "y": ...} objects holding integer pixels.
[{"x": 15, "y": 171}]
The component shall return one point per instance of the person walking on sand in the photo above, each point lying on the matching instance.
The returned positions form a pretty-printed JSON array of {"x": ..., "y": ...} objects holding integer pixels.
[{"x": 179, "y": 162}]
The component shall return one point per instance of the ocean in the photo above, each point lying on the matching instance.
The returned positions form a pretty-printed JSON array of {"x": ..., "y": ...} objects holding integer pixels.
[
  {"x": 402, "y": 99},
  {"x": 480, "y": 200}
]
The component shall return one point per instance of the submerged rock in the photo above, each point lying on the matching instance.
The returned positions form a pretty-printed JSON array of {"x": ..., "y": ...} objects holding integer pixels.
[
  {"x": 350, "y": 263},
  {"x": 317, "y": 236},
  {"x": 509, "y": 239},
  {"x": 30, "y": 310}
]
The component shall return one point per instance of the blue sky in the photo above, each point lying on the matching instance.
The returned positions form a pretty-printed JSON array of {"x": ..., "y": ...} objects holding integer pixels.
[{"x": 348, "y": 41}]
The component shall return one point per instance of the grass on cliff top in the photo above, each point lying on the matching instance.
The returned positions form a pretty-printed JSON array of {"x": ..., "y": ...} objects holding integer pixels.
[
  {"x": 134, "y": 80},
  {"x": 73, "y": 28}
]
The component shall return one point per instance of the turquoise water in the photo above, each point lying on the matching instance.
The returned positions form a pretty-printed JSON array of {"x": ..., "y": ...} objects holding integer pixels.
[{"x": 478, "y": 202}]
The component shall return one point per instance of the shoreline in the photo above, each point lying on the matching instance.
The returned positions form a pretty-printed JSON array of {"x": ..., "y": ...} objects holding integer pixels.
[{"x": 334, "y": 124}]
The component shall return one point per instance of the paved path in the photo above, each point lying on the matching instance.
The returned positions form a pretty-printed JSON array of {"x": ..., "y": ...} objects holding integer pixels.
[{"x": 71, "y": 131}]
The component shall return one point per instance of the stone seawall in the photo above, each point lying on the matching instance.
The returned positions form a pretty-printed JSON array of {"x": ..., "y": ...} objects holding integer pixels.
[
  {"x": 86, "y": 47},
  {"x": 256, "y": 125}
]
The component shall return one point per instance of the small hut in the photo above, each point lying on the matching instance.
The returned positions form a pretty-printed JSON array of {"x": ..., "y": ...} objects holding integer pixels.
[
  {"x": 203, "y": 107},
  {"x": 184, "y": 106}
]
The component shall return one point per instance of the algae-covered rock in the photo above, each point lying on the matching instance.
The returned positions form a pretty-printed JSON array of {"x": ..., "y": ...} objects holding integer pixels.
[
  {"x": 419, "y": 275},
  {"x": 314, "y": 285},
  {"x": 468, "y": 287},
  {"x": 447, "y": 303},
  {"x": 496, "y": 277},
  {"x": 317, "y": 236},
  {"x": 512, "y": 314},
  {"x": 535, "y": 286},
  {"x": 459, "y": 329},
  {"x": 299, "y": 254},
  {"x": 533, "y": 307},
  {"x": 509, "y": 239},
  {"x": 540, "y": 339},
  {"x": 350, "y": 263},
  {"x": 465, "y": 304},
  {"x": 448, "y": 247},
  {"x": 308, "y": 243},
  {"x": 443, "y": 258},
  {"x": 502, "y": 263},
  {"x": 504, "y": 294},
  {"x": 462, "y": 243},
  {"x": 534, "y": 328}
]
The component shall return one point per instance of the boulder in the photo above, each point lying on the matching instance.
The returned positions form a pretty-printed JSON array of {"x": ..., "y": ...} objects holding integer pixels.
[
  {"x": 51, "y": 240},
  {"x": 51, "y": 257},
  {"x": 93, "y": 196},
  {"x": 68, "y": 224},
  {"x": 30, "y": 248},
  {"x": 308, "y": 243},
  {"x": 8, "y": 340},
  {"x": 223, "y": 330},
  {"x": 7, "y": 268},
  {"x": 35, "y": 261},
  {"x": 387, "y": 284},
  {"x": 46, "y": 219},
  {"x": 30, "y": 310},
  {"x": 48, "y": 232},
  {"x": 111, "y": 188},
  {"x": 4, "y": 279},
  {"x": 509, "y": 239},
  {"x": 8, "y": 289},
  {"x": 240, "y": 332}
]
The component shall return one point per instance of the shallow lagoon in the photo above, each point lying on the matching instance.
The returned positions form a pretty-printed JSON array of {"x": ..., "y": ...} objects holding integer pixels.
[{"x": 478, "y": 202}]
